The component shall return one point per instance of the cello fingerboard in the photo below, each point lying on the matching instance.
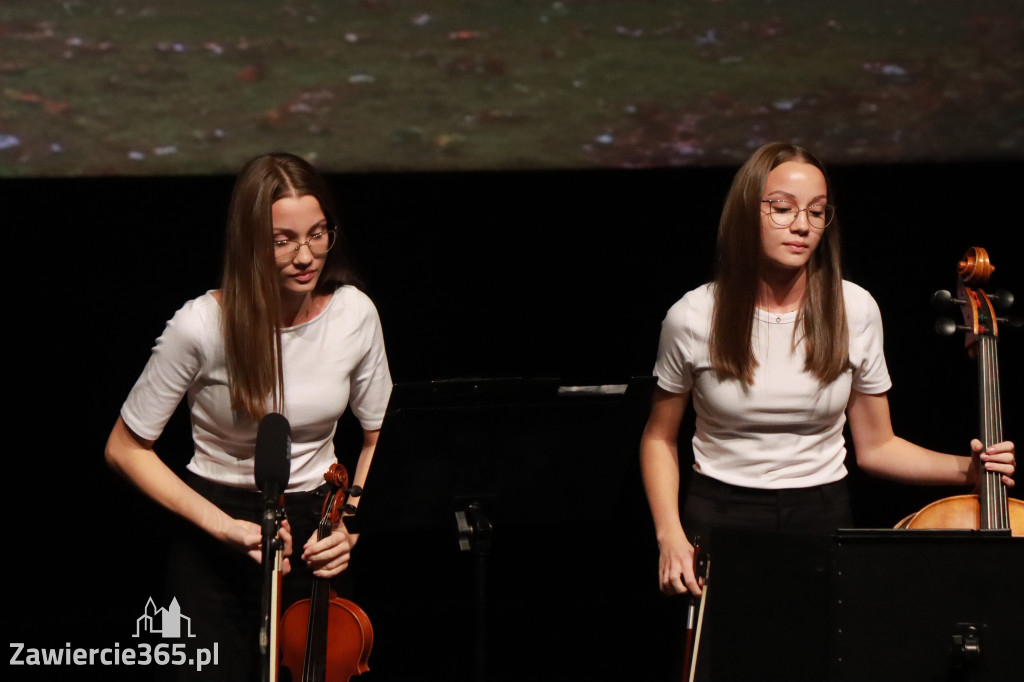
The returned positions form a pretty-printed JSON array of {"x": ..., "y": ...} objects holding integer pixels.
[{"x": 992, "y": 495}]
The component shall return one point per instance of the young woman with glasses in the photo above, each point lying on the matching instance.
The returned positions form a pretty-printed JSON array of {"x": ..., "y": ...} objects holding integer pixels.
[
  {"x": 775, "y": 355},
  {"x": 287, "y": 332}
]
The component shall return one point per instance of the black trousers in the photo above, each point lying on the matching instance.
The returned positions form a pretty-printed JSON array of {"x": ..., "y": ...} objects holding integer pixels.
[{"x": 711, "y": 504}]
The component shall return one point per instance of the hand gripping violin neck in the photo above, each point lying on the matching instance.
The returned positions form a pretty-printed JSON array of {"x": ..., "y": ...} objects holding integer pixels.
[{"x": 326, "y": 638}]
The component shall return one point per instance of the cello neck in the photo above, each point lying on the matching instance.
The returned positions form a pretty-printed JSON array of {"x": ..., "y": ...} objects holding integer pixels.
[
  {"x": 992, "y": 492},
  {"x": 982, "y": 327}
]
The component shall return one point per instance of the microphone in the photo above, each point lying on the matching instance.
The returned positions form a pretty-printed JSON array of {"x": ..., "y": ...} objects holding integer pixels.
[
  {"x": 273, "y": 467},
  {"x": 273, "y": 455}
]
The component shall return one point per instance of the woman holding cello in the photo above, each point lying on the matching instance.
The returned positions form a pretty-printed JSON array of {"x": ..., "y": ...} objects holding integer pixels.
[
  {"x": 775, "y": 355},
  {"x": 287, "y": 332}
]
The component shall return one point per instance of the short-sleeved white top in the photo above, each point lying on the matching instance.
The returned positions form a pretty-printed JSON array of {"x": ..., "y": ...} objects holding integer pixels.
[
  {"x": 335, "y": 360},
  {"x": 786, "y": 429}
]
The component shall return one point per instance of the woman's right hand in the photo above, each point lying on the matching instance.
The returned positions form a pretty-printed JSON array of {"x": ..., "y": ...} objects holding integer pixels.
[
  {"x": 675, "y": 566},
  {"x": 247, "y": 537},
  {"x": 659, "y": 466}
]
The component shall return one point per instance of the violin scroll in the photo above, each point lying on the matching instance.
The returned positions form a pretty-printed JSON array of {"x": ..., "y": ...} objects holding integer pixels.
[{"x": 337, "y": 475}]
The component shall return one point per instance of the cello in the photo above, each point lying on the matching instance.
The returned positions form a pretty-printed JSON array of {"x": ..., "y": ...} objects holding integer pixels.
[
  {"x": 326, "y": 638},
  {"x": 990, "y": 508}
]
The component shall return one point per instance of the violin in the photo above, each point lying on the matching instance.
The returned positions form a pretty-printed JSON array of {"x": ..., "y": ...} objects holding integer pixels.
[
  {"x": 326, "y": 638},
  {"x": 990, "y": 508}
]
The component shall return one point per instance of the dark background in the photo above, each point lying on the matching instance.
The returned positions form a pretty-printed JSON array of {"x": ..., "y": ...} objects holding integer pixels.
[{"x": 563, "y": 275}]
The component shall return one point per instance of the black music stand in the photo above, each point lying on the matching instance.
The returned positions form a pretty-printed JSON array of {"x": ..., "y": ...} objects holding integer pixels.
[
  {"x": 474, "y": 458},
  {"x": 866, "y": 605}
]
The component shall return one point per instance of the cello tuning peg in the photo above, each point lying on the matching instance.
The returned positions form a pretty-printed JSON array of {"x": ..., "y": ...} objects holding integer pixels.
[
  {"x": 947, "y": 327},
  {"x": 1012, "y": 320},
  {"x": 1001, "y": 299},
  {"x": 943, "y": 299}
]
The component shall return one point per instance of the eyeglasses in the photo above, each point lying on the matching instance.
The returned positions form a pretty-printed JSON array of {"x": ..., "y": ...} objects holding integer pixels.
[
  {"x": 319, "y": 243},
  {"x": 783, "y": 213}
]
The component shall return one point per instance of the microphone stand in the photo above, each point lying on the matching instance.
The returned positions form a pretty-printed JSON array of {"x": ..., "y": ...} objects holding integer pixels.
[
  {"x": 272, "y": 467},
  {"x": 272, "y": 557}
]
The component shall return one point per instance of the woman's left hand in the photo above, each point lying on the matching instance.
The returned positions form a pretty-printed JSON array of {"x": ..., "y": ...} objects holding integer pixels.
[
  {"x": 999, "y": 458},
  {"x": 330, "y": 556}
]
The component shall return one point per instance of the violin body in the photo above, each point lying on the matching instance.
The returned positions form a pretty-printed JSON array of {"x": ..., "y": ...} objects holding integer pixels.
[
  {"x": 326, "y": 638},
  {"x": 346, "y": 641}
]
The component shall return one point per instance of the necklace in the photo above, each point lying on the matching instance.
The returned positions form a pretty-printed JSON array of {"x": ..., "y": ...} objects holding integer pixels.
[{"x": 777, "y": 315}]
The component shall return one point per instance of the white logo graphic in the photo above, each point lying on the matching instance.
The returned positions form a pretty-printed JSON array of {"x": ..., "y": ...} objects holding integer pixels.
[{"x": 167, "y": 622}]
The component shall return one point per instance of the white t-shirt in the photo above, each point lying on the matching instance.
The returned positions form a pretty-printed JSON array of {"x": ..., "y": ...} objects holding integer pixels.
[
  {"x": 786, "y": 429},
  {"x": 334, "y": 360}
]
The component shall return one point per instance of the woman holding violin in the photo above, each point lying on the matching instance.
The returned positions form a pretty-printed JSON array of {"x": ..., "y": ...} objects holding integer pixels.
[
  {"x": 775, "y": 355},
  {"x": 287, "y": 332}
]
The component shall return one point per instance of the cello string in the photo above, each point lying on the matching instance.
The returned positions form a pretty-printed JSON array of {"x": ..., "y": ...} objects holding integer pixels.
[
  {"x": 986, "y": 426},
  {"x": 985, "y": 519},
  {"x": 997, "y": 436}
]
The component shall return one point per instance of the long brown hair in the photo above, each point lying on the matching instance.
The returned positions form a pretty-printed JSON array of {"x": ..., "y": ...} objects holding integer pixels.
[
  {"x": 740, "y": 265},
  {"x": 250, "y": 287}
]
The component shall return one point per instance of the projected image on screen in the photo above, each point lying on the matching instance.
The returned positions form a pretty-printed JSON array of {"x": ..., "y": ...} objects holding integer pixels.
[{"x": 101, "y": 87}]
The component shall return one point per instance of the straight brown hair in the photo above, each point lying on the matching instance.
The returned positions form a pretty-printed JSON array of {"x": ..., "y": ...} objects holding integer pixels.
[
  {"x": 250, "y": 286},
  {"x": 821, "y": 320}
]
